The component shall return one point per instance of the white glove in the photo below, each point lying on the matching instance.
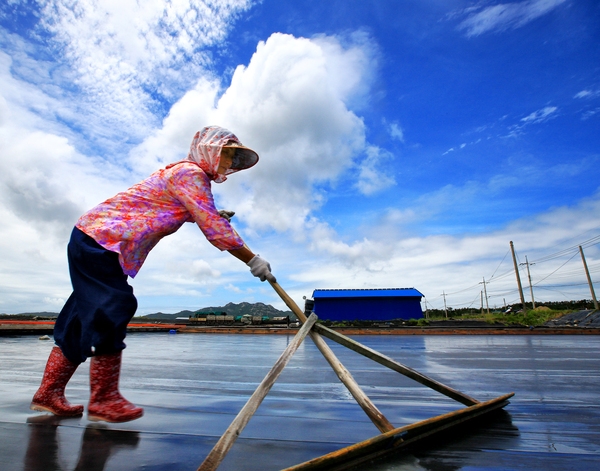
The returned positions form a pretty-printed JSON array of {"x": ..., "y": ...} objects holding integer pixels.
[
  {"x": 260, "y": 268},
  {"x": 226, "y": 214}
]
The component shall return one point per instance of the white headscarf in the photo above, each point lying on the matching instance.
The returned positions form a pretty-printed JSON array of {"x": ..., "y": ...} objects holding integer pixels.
[{"x": 206, "y": 152}]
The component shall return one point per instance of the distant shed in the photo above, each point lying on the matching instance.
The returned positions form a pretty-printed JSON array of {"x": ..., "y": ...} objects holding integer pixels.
[{"x": 367, "y": 304}]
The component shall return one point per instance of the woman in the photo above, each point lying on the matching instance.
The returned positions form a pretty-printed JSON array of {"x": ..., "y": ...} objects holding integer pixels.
[{"x": 110, "y": 243}]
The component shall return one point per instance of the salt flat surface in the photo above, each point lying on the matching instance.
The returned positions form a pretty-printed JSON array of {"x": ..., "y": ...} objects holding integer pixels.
[{"x": 193, "y": 385}]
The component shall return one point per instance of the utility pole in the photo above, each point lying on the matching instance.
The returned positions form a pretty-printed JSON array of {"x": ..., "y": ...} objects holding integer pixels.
[
  {"x": 512, "y": 248},
  {"x": 481, "y": 293},
  {"x": 529, "y": 277},
  {"x": 587, "y": 273},
  {"x": 487, "y": 306},
  {"x": 445, "y": 308}
]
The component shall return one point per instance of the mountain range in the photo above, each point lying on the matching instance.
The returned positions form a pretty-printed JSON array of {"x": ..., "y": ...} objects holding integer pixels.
[{"x": 232, "y": 309}]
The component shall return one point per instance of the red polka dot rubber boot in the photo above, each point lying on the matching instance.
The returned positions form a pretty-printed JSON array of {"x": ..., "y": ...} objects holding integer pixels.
[
  {"x": 50, "y": 397},
  {"x": 106, "y": 402}
]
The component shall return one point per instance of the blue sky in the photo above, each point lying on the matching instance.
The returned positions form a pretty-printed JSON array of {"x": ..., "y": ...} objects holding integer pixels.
[{"x": 402, "y": 144}]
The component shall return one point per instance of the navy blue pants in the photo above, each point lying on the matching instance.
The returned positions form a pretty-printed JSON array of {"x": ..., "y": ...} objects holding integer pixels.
[{"x": 94, "y": 319}]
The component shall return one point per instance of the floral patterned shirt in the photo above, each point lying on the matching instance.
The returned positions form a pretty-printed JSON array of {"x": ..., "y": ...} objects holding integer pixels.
[{"x": 132, "y": 222}]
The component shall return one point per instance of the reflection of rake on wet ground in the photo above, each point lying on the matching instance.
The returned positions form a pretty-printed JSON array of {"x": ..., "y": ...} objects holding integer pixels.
[{"x": 390, "y": 440}]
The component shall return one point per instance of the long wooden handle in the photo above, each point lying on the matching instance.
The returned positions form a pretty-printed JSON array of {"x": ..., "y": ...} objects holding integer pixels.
[
  {"x": 343, "y": 374},
  {"x": 289, "y": 302}
]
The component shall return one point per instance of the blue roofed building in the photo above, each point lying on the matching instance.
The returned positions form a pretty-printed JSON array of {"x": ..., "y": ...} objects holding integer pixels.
[{"x": 367, "y": 304}]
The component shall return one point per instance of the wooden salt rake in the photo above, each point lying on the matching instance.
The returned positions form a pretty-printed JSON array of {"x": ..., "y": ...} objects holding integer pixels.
[{"x": 391, "y": 438}]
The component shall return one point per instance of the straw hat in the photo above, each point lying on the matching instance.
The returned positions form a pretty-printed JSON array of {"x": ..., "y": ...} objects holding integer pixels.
[{"x": 244, "y": 156}]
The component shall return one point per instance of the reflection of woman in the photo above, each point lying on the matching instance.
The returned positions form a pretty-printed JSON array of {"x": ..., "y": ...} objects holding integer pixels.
[
  {"x": 111, "y": 242},
  {"x": 97, "y": 445}
]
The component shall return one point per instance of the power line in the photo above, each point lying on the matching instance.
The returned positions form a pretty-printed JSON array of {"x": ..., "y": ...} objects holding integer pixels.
[
  {"x": 502, "y": 261},
  {"x": 577, "y": 244},
  {"x": 584, "y": 244},
  {"x": 499, "y": 277},
  {"x": 556, "y": 269},
  {"x": 463, "y": 290}
]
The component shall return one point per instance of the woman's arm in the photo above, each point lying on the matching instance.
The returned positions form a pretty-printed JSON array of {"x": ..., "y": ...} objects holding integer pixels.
[{"x": 244, "y": 254}]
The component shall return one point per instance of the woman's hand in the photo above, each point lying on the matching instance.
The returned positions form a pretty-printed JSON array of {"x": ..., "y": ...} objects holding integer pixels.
[
  {"x": 224, "y": 213},
  {"x": 260, "y": 268}
]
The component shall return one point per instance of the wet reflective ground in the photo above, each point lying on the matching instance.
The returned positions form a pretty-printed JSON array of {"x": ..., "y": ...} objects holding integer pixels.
[{"x": 193, "y": 385}]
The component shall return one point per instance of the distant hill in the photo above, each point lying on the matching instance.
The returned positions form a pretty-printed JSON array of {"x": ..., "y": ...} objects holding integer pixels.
[
  {"x": 232, "y": 309},
  {"x": 30, "y": 315}
]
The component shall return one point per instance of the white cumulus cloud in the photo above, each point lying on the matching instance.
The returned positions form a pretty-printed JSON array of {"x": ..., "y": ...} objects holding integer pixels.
[{"x": 287, "y": 106}]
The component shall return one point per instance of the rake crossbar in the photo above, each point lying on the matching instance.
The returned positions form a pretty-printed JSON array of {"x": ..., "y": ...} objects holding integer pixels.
[{"x": 394, "y": 440}]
